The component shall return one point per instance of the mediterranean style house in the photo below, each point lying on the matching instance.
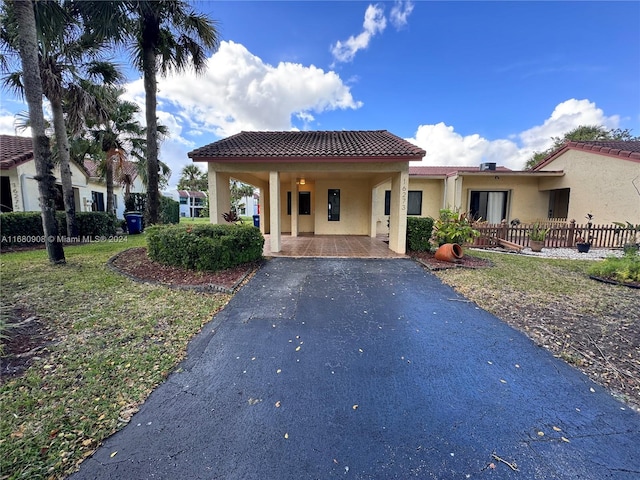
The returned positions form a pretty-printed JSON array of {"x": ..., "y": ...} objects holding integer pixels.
[
  {"x": 361, "y": 183},
  {"x": 19, "y": 189},
  {"x": 324, "y": 183}
]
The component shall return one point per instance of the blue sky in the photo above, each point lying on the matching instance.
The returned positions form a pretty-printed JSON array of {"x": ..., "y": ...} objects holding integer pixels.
[{"x": 467, "y": 81}]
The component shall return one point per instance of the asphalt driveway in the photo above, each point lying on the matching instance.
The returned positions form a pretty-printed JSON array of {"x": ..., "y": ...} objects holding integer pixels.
[{"x": 368, "y": 369}]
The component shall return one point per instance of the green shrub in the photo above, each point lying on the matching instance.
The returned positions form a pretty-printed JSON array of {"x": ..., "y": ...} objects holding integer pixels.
[
  {"x": 169, "y": 210},
  {"x": 454, "y": 227},
  {"x": 624, "y": 269},
  {"x": 22, "y": 228},
  {"x": 204, "y": 246},
  {"x": 419, "y": 231}
]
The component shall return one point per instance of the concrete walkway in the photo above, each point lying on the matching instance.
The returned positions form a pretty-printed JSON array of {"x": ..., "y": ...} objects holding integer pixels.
[{"x": 368, "y": 369}]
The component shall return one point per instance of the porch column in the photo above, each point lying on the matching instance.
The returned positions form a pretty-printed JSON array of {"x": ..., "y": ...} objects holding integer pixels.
[
  {"x": 398, "y": 217},
  {"x": 373, "y": 224},
  {"x": 274, "y": 210},
  {"x": 294, "y": 207},
  {"x": 219, "y": 196}
]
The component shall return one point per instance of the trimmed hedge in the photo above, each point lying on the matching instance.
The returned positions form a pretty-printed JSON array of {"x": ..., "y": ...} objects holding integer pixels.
[
  {"x": 419, "y": 231},
  {"x": 204, "y": 247},
  {"x": 28, "y": 226},
  {"x": 169, "y": 210}
]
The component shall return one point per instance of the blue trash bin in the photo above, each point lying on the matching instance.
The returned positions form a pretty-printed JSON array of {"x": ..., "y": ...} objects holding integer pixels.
[
  {"x": 256, "y": 221},
  {"x": 134, "y": 223}
]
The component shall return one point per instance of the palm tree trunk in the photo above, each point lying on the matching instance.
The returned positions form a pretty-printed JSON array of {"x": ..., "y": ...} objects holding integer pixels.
[
  {"x": 65, "y": 167},
  {"x": 27, "y": 38},
  {"x": 108, "y": 177},
  {"x": 150, "y": 89}
]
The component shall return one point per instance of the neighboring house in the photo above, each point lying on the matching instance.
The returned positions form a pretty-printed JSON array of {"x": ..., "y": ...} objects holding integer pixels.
[
  {"x": 191, "y": 201},
  {"x": 19, "y": 189},
  {"x": 360, "y": 183},
  {"x": 600, "y": 178}
]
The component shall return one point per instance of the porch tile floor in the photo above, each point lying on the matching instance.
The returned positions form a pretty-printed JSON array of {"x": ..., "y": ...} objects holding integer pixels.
[{"x": 331, "y": 246}]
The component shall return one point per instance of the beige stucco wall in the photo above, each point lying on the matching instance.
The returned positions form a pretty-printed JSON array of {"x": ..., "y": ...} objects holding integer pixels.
[
  {"x": 526, "y": 202},
  {"x": 25, "y": 195},
  {"x": 432, "y": 198},
  {"x": 600, "y": 185},
  {"x": 355, "y": 207}
]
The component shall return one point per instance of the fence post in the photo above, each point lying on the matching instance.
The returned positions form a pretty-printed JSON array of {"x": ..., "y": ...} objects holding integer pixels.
[
  {"x": 572, "y": 233},
  {"x": 504, "y": 229}
]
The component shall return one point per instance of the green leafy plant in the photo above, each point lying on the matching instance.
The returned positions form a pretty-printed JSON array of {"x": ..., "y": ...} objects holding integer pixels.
[
  {"x": 205, "y": 246},
  {"x": 624, "y": 269},
  {"x": 454, "y": 227},
  {"x": 538, "y": 234},
  {"x": 419, "y": 231},
  {"x": 629, "y": 240}
]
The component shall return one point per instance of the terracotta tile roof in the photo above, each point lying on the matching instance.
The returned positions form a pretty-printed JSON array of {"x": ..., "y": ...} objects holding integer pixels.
[
  {"x": 311, "y": 146},
  {"x": 446, "y": 171},
  {"x": 192, "y": 193},
  {"x": 627, "y": 150},
  {"x": 14, "y": 151},
  {"x": 128, "y": 168}
]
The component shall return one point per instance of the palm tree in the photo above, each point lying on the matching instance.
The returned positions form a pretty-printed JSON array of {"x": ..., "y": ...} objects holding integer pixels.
[
  {"x": 192, "y": 178},
  {"x": 64, "y": 62},
  {"x": 169, "y": 36},
  {"x": 163, "y": 36},
  {"x": 28, "y": 48}
]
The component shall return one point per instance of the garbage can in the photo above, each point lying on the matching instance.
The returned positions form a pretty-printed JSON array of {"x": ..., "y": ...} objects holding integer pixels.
[
  {"x": 134, "y": 222},
  {"x": 256, "y": 221}
]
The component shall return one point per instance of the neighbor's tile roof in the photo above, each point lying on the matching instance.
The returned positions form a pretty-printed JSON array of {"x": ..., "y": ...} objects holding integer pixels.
[
  {"x": 128, "y": 168},
  {"x": 312, "y": 145},
  {"x": 192, "y": 193},
  {"x": 445, "y": 171},
  {"x": 627, "y": 150},
  {"x": 14, "y": 151}
]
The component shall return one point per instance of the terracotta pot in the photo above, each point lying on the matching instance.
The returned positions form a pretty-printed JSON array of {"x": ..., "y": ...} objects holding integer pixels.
[
  {"x": 536, "y": 245},
  {"x": 449, "y": 252}
]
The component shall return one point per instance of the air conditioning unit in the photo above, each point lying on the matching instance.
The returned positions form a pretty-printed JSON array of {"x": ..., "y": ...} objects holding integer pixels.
[{"x": 487, "y": 166}]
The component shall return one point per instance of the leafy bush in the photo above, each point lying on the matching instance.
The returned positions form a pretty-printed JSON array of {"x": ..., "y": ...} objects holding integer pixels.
[
  {"x": 169, "y": 210},
  {"x": 624, "y": 269},
  {"x": 454, "y": 227},
  {"x": 206, "y": 246},
  {"x": 419, "y": 231},
  {"x": 26, "y": 227}
]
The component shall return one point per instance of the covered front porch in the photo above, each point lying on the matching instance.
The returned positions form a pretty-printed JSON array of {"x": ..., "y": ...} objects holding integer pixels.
[
  {"x": 331, "y": 246},
  {"x": 325, "y": 184}
]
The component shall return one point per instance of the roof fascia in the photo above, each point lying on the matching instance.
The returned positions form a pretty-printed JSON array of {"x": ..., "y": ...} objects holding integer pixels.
[{"x": 332, "y": 159}]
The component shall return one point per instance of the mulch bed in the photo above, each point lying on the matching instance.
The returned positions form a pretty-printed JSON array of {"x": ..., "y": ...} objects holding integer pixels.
[
  {"x": 467, "y": 261},
  {"x": 135, "y": 264}
]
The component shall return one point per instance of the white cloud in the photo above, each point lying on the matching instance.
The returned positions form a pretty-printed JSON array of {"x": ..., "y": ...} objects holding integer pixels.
[
  {"x": 444, "y": 146},
  {"x": 400, "y": 13},
  {"x": 241, "y": 92},
  {"x": 7, "y": 125},
  {"x": 374, "y": 22}
]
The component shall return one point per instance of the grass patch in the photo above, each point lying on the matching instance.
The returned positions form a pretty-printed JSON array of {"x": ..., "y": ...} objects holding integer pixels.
[
  {"x": 114, "y": 342},
  {"x": 625, "y": 269}
]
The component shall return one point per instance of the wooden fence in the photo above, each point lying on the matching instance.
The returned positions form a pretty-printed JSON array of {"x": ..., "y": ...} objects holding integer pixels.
[{"x": 561, "y": 235}]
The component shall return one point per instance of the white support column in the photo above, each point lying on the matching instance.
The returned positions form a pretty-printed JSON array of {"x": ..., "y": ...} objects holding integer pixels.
[
  {"x": 274, "y": 210},
  {"x": 219, "y": 196},
  {"x": 398, "y": 220},
  {"x": 294, "y": 207},
  {"x": 373, "y": 224}
]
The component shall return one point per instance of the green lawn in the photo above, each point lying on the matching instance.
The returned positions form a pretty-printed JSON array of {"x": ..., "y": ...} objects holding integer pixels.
[{"x": 114, "y": 340}]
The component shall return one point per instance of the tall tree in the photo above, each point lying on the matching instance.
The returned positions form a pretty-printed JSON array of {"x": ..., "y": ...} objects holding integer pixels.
[
  {"x": 192, "y": 178},
  {"x": 28, "y": 48},
  {"x": 169, "y": 36},
  {"x": 118, "y": 135},
  {"x": 66, "y": 58},
  {"x": 582, "y": 133}
]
